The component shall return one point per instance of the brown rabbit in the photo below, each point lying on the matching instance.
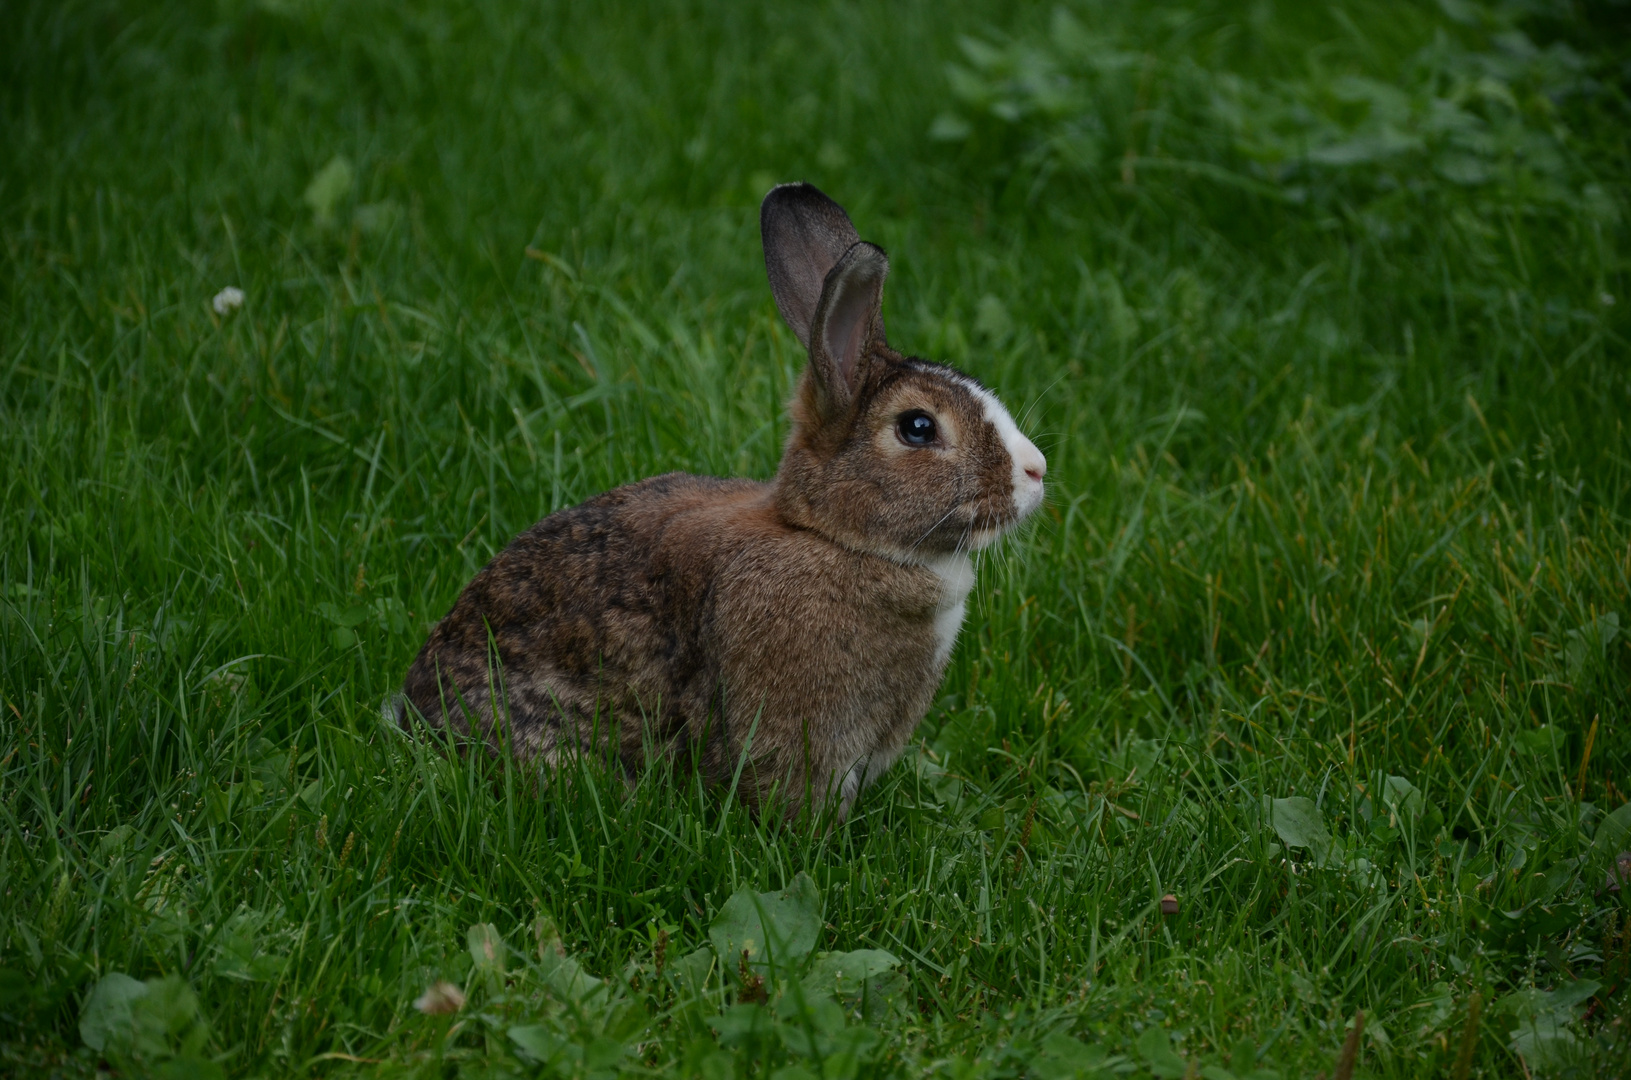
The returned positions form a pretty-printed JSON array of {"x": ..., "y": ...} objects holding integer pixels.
[{"x": 797, "y": 628}]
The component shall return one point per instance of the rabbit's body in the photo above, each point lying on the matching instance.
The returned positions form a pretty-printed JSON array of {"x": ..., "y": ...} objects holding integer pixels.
[
  {"x": 796, "y": 630},
  {"x": 665, "y": 612}
]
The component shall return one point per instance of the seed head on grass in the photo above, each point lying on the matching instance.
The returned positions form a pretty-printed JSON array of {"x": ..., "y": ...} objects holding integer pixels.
[
  {"x": 1350, "y": 1049},
  {"x": 753, "y": 984},
  {"x": 441, "y": 998}
]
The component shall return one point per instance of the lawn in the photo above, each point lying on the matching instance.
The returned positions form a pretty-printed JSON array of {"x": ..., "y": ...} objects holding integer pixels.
[{"x": 1320, "y": 313}]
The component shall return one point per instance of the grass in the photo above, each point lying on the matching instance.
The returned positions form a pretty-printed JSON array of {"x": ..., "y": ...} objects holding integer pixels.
[{"x": 1322, "y": 632}]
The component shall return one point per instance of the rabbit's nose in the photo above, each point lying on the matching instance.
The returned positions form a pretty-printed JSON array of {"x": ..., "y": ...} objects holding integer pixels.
[
  {"x": 1029, "y": 469},
  {"x": 1030, "y": 460}
]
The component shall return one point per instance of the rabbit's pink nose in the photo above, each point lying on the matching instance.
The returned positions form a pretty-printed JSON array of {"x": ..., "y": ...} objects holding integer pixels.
[{"x": 1032, "y": 463}]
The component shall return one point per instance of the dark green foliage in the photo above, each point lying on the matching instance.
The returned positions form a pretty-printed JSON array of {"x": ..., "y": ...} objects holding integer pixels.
[{"x": 1320, "y": 313}]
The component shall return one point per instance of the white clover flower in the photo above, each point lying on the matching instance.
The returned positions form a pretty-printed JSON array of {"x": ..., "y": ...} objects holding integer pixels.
[{"x": 228, "y": 300}]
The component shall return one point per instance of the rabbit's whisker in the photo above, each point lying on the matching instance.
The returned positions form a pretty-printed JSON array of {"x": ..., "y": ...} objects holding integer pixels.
[{"x": 930, "y": 531}]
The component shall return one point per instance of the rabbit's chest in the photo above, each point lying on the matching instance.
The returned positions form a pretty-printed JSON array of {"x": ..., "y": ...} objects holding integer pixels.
[{"x": 956, "y": 574}]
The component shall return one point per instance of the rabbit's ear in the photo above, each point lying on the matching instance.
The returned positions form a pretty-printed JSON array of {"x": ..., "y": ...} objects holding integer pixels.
[
  {"x": 805, "y": 234},
  {"x": 847, "y": 320}
]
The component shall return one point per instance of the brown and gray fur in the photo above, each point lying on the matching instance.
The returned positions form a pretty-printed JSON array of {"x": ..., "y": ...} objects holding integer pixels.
[{"x": 797, "y": 628}]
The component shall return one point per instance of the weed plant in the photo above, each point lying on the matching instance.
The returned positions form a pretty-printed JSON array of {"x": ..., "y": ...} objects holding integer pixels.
[{"x": 1319, "y": 312}]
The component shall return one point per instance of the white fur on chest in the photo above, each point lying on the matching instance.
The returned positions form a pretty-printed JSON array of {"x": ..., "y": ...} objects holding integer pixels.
[{"x": 956, "y": 574}]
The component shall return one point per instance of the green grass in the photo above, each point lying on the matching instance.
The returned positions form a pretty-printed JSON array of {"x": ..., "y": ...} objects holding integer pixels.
[{"x": 1340, "y": 491}]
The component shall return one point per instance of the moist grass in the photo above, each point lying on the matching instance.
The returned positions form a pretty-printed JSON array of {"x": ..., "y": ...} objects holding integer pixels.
[{"x": 1319, "y": 314}]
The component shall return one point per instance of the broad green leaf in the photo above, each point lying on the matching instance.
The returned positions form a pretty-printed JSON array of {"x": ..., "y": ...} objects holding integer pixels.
[
  {"x": 690, "y": 972},
  {"x": 539, "y": 1044},
  {"x": 805, "y": 1018},
  {"x": 1405, "y": 798},
  {"x": 1156, "y": 1047},
  {"x": 1545, "y": 1042},
  {"x": 351, "y": 616},
  {"x": 240, "y": 950},
  {"x": 945, "y": 787},
  {"x": 391, "y": 614},
  {"x": 328, "y": 187},
  {"x": 1437, "y": 1008},
  {"x": 1614, "y": 832},
  {"x": 741, "y": 1022},
  {"x": 154, "y": 1020},
  {"x": 1542, "y": 740},
  {"x": 865, "y": 979},
  {"x": 570, "y": 981},
  {"x": 1065, "y": 1058},
  {"x": 1571, "y": 994},
  {"x": 602, "y": 1053},
  {"x": 561, "y": 973},
  {"x": 487, "y": 953},
  {"x": 167, "y": 1016},
  {"x": 1407, "y": 804},
  {"x": 343, "y": 636},
  {"x": 105, "y": 1020},
  {"x": 217, "y": 806},
  {"x": 1299, "y": 823},
  {"x": 689, "y": 977},
  {"x": 1590, "y": 642},
  {"x": 115, "y": 840},
  {"x": 1542, "y": 1033},
  {"x": 847, "y": 972},
  {"x": 846, "y": 1050},
  {"x": 777, "y": 928}
]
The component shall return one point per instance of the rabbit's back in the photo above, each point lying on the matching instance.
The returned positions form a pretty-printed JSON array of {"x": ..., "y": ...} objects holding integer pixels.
[{"x": 592, "y": 610}]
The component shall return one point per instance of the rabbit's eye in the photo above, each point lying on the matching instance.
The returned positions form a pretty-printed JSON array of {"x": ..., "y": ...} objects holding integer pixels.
[{"x": 916, "y": 428}]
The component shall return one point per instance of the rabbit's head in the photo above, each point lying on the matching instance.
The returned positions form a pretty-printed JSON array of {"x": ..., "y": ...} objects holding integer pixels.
[{"x": 889, "y": 454}]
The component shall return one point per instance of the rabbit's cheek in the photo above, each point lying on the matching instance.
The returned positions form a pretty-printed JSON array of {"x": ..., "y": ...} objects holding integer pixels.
[{"x": 1025, "y": 465}]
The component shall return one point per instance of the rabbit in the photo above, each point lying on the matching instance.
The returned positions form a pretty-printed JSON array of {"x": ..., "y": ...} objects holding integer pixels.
[{"x": 785, "y": 636}]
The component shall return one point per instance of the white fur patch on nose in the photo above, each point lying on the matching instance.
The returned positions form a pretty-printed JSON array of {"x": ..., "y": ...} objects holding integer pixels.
[{"x": 1029, "y": 464}]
